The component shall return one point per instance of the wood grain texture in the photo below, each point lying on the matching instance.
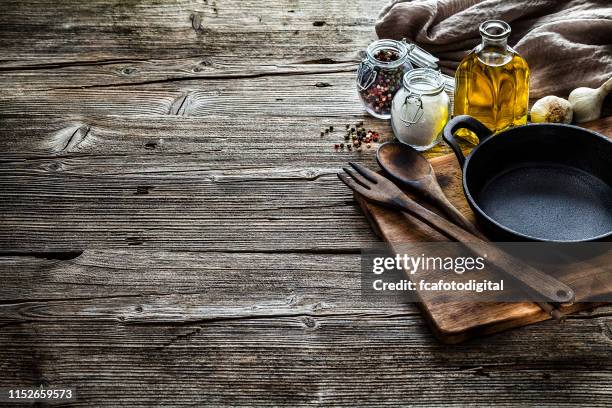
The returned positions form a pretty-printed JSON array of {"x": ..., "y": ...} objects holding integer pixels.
[
  {"x": 153, "y": 327},
  {"x": 172, "y": 231},
  {"x": 153, "y": 28},
  {"x": 181, "y": 183}
]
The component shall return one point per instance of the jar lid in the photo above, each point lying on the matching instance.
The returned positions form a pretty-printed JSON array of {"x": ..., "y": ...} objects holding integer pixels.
[
  {"x": 397, "y": 47},
  {"x": 419, "y": 57},
  {"x": 424, "y": 81},
  {"x": 405, "y": 50}
]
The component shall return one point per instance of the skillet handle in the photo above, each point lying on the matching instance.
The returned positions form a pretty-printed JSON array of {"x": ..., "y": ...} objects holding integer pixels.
[{"x": 464, "y": 122}]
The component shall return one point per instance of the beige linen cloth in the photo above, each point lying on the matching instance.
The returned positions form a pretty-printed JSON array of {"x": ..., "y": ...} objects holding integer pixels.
[{"x": 567, "y": 44}]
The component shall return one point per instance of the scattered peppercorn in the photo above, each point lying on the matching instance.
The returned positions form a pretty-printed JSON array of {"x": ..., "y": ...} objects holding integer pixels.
[{"x": 355, "y": 136}]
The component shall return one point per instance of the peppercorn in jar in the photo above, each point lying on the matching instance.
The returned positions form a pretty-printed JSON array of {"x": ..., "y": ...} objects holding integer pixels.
[{"x": 380, "y": 75}]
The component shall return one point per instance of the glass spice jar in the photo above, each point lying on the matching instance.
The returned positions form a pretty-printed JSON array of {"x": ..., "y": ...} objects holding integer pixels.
[
  {"x": 380, "y": 73},
  {"x": 420, "y": 109}
]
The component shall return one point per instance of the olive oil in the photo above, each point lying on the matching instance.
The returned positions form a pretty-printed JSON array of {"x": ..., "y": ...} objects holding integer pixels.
[{"x": 492, "y": 82}]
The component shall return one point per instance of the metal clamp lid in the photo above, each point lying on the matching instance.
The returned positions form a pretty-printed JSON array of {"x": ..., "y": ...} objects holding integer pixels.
[
  {"x": 449, "y": 83},
  {"x": 414, "y": 103},
  {"x": 366, "y": 75},
  {"x": 420, "y": 57}
]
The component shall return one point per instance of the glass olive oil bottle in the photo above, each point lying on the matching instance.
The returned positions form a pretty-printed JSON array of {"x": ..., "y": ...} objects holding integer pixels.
[{"x": 492, "y": 82}]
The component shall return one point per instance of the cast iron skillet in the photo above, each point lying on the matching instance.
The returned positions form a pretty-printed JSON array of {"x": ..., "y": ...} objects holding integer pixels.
[{"x": 538, "y": 182}]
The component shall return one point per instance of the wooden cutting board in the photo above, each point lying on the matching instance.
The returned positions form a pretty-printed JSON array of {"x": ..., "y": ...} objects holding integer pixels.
[{"x": 458, "y": 321}]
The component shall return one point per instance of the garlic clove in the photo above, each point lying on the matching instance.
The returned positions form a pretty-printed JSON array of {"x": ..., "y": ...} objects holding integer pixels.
[
  {"x": 551, "y": 109},
  {"x": 587, "y": 102}
]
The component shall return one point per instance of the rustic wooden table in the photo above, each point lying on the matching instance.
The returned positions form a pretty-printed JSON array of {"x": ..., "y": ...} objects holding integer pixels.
[{"x": 173, "y": 232}]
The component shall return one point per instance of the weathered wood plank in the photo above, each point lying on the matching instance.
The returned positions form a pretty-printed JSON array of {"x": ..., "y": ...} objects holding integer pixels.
[
  {"x": 286, "y": 213},
  {"x": 143, "y": 287},
  {"x": 319, "y": 95},
  {"x": 295, "y": 360},
  {"x": 306, "y": 360},
  {"x": 269, "y": 139},
  {"x": 197, "y": 202},
  {"x": 126, "y": 73},
  {"x": 184, "y": 183},
  {"x": 285, "y": 114},
  {"x": 101, "y": 31},
  {"x": 143, "y": 328},
  {"x": 151, "y": 41}
]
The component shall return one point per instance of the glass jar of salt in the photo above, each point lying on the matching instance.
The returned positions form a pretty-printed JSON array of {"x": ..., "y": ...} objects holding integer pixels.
[{"x": 420, "y": 109}]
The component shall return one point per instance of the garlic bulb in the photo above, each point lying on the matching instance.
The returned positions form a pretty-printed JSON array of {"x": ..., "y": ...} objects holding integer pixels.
[
  {"x": 551, "y": 109},
  {"x": 587, "y": 102}
]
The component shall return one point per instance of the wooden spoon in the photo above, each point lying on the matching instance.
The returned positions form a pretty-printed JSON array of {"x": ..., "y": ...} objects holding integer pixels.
[{"x": 408, "y": 167}]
